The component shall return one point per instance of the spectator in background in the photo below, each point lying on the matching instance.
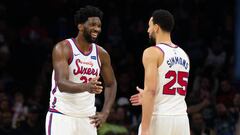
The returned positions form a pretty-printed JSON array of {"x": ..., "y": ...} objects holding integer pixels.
[
  {"x": 238, "y": 127},
  {"x": 198, "y": 126},
  {"x": 202, "y": 100},
  {"x": 19, "y": 109},
  {"x": 4, "y": 51},
  {"x": 6, "y": 118},
  {"x": 112, "y": 125},
  {"x": 226, "y": 93},
  {"x": 33, "y": 125},
  {"x": 202, "y": 90},
  {"x": 235, "y": 111},
  {"x": 37, "y": 96},
  {"x": 236, "y": 103},
  {"x": 224, "y": 121},
  {"x": 34, "y": 33},
  {"x": 122, "y": 111},
  {"x": 216, "y": 57}
]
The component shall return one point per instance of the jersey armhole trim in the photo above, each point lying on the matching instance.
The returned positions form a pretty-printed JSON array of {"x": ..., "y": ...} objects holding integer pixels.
[
  {"x": 98, "y": 57},
  {"x": 160, "y": 49},
  {"x": 70, "y": 53},
  {"x": 169, "y": 45}
]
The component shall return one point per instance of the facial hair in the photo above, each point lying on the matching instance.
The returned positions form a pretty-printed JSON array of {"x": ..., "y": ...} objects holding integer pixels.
[
  {"x": 152, "y": 41},
  {"x": 87, "y": 36}
]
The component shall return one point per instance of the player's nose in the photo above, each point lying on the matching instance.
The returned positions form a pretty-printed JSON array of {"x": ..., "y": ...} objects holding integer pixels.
[{"x": 148, "y": 30}]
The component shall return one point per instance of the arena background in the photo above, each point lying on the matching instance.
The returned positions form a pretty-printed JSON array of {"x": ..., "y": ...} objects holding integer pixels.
[{"x": 208, "y": 30}]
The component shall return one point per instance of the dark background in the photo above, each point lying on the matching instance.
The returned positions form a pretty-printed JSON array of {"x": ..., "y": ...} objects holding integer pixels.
[{"x": 204, "y": 29}]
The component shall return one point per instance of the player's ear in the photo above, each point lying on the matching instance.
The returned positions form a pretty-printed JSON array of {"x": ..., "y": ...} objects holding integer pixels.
[
  {"x": 155, "y": 27},
  {"x": 80, "y": 27}
]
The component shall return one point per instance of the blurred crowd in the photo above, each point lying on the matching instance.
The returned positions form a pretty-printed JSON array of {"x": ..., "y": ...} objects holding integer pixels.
[{"x": 205, "y": 29}]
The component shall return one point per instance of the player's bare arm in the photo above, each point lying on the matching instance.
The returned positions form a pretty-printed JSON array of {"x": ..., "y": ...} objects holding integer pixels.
[
  {"x": 136, "y": 99},
  {"x": 152, "y": 58},
  {"x": 61, "y": 54},
  {"x": 110, "y": 87}
]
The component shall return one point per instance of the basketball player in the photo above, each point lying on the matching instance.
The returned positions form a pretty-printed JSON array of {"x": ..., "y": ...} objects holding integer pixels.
[
  {"x": 77, "y": 63},
  {"x": 166, "y": 68}
]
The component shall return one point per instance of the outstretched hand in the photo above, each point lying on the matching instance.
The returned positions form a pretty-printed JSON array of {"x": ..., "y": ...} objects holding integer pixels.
[
  {"x": 136, "y": 99},
  {"x": 94, "y": 86},
  {"x": 98, "y": 119}
]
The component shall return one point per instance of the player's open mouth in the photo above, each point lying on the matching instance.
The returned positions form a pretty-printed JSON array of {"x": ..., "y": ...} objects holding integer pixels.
[{"x": 94, "y": 34}]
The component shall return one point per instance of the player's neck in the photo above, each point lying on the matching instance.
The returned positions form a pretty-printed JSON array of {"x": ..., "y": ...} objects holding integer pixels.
[
  {"x": 82, "y": 43},
  {"x": 164, "y": 38}
]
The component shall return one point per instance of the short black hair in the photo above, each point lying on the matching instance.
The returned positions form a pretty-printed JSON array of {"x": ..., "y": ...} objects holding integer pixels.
[
  {"x": 164, "y": 19},
  {"x": 83, "y": 14}
]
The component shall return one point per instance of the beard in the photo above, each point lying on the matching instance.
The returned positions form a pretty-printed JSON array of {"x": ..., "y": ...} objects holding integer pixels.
[
  {"x": 152, "y": 41},
  {"x": 88, "y": 37}
]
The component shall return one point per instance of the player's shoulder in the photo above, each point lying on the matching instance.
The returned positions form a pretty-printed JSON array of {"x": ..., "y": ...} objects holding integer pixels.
[
  {"x": 152, "y": 53},
  {"x": 63, "y": 45},
  {"x": 153, "y": 50}
]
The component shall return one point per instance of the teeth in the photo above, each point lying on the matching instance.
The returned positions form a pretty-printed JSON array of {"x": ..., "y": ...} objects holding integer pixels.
[{"x": 94, "y": 33}]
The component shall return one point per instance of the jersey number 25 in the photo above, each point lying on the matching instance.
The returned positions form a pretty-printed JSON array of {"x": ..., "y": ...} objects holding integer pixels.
[{"x": 177, "y": 77}]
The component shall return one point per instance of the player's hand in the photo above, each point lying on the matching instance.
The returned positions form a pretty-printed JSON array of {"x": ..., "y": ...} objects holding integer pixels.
[
  {"x": 94, "y": 86},
  {"x": 137, "y": 98},
  {"x": 98, "y": 119}
]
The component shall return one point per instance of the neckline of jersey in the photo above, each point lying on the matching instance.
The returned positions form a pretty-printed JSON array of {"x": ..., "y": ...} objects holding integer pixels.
[
  {"x": 169, "y": 45},
  {"x": 79, "y": 49}
]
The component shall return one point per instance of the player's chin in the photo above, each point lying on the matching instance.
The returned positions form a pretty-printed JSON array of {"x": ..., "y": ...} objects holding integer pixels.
[{"x": 94, "y": 39}]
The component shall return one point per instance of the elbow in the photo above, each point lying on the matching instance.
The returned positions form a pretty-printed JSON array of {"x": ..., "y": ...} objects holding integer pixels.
[
  {"x": 151, "y": 88},
  {"x": 151, "y": 92},
  {"x": 111, "y": 89},
  {"x": 114, "y": 88},
  {"x": 112, "y": 85},
  {"x": 60, "y": 85}
]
